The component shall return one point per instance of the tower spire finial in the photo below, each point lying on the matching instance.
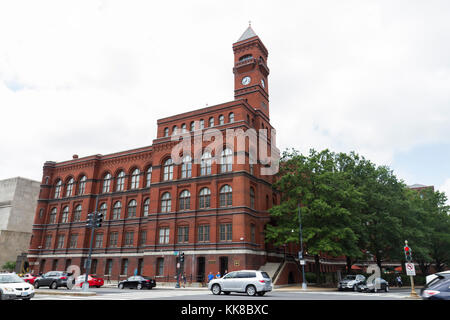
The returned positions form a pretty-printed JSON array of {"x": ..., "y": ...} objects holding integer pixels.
[{"x": 249, "y": 23}]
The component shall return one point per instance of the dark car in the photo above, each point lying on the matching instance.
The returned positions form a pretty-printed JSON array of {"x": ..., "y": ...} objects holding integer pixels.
[
  {"x": 375, "y": 285},
  {"x": 137, "y": 282},
  {"x": 438, "y": 288},
  {"x": 53, "y": 280}
]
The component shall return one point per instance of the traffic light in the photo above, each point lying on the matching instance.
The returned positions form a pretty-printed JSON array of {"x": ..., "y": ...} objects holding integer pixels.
[
  {"x": 90, "y": 220},
  {"x": 408, "y": 254},
  {"x": 98, "y": 219},
  {"x": 182, "y": 257}
]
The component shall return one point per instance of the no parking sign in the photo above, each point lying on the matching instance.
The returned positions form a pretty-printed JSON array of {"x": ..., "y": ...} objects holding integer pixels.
[{"x": 410, "y": 269}]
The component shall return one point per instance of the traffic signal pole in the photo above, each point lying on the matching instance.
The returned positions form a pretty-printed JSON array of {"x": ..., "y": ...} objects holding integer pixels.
[
  {"x": 88, "y": 261},
  {"x": 408, "y": 256}
]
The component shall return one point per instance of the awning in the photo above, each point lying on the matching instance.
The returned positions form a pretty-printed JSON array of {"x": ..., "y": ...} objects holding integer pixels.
[
  {"x": 355, "y": 267},
  {"x": 398, "y": 268}
]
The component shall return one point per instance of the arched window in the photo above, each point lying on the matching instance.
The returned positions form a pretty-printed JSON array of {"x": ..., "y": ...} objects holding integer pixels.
[
  {"x": 166, "y": 202},
  {"x": 205, "y": 164},
  {"x": 148, "y": 178},
  {"x": 132, "y": 208},
  {"x": 135, "y": 178},
  {"x": 211, "y": 122},
  {"x": 186, "y": 167},
  {"x": 252, "y": 198},
  {"x": 65, "y": 215},
  {"x": 166, "y": 132},
  {"x": 120, "y": 181},
  {"x": 226, "y": 160},
  {"x": 245, "y": 57},
  {"x": 52, "y": 216},
  {"x": 168, "y": 170},
  {"x": 117, "y": 209},
  {"x": 185, "y": 200},
  {"x": 183, "y": 128},
  {"x": 202, "y": 124},
  {"x": 174, "y": 130},
  {"x": 106, "y": 183},
  {"x": 204, "y": 198},
  {"x": 58, "y": 189},
  {"x": 69, "y": 187},
  {"x": 146, "y": 207},
  {"x": 226, "y": 196},
  {"x": 77, "y": 213},
  {"x": 231, "y": 117},
  {"x": 221, "y": 119},
  {"x": 192, "y": 126},
  {"x": 103, "y": 209},
  {"x": 82, "y": 186}
]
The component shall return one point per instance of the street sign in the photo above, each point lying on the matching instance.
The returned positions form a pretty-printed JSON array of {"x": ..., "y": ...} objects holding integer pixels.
[
  {"x": 302, "y": 262},
  {"x": 300, "y": 255},
  {"x": 410, "y": 269}
]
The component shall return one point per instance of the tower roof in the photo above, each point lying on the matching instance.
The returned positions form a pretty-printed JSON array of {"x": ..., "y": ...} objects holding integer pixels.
[{"x": 249, "y": 33}]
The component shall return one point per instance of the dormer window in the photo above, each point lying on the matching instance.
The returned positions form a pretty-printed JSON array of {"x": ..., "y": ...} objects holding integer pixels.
[{"x": 245, "y": 58}]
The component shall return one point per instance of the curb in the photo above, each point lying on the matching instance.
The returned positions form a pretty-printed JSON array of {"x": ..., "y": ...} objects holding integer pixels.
[{"x": 65, "y": 292}]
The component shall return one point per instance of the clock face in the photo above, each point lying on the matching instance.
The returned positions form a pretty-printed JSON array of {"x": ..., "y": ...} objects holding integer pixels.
[
  {"x": 263, "y": 83},
  {"x": 246, "y": 80}
]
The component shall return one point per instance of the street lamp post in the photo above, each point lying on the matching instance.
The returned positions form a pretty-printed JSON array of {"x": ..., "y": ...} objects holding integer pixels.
[{"x": 300, "y": 254}]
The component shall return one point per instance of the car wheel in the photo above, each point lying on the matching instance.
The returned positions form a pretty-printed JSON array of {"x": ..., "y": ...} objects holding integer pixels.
[
  {"x": 139, "y": 286},
  {"x": 36, "y": 285},
  {"x": 216, "y": 289},
  {"x": 250, "y": 290},
  {"x": 120, "y": 285},
  {"x": 54, "y": 285}
]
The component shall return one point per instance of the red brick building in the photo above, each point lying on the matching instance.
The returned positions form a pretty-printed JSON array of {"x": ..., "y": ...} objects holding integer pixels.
[{"x": 212, "y": 211}]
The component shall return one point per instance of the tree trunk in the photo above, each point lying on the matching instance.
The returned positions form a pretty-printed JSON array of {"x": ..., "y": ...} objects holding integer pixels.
[
  {"x": 349, "y": 265},
  {"x": 317, "y": 267}
]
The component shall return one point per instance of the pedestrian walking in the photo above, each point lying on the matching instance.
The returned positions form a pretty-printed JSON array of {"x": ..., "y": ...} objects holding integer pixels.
[
  {"x": 399, "y": 281},
  {"x": 210, "y": 276}
]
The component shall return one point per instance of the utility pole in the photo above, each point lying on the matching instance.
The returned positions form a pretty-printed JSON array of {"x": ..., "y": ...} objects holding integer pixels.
[{"x": 300, "y": 254}]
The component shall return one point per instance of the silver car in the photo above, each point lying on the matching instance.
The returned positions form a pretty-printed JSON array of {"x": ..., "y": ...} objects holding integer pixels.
[{"x": 251, "y": 282}]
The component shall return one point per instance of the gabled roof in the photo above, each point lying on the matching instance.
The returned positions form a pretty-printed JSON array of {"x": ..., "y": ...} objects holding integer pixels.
[{"x": 249, "y": 33}]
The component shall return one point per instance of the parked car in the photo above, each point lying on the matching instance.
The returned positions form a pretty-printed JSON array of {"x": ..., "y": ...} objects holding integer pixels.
[
  {"x": 29, "y": 278},
  {"x": 137, "y": 282},
  {"x": 14, "y": 287},
  {"x": 93, "y": 280},
  {"x": 438, "y": 288},
  {"x": 251, "y": 282},
  {"x": 351, "y": 282},
  {"x": 377, "y": 284},
  {"x": 53, "y": 280}
]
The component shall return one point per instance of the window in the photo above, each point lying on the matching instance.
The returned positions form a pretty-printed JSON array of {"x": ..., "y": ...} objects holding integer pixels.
[
  {"x": 203, "y": 233},
  {"x": 52, "y": 216},
  {"x": 41, "y": 213},
  {"x": 113, "y": 236},
  {"x": 148, "y": 178},
  {"x": 69, "y": 188},
  {"x": 143, "y": 238},
  {"x": 192, "y": 126},
  {"x": 108, "y": 268},
  {"x": 129, "y": 238},
  {"x": 73, "y": 241},
  {"x": 245, "y": 57},
  {"x": 205, "y": 164},
  {"x": 65, "y": 215},
  {"x": 168, "y": 170},
  {"x": 185, "y": 200},
  {"x": 94, "y": 266},
  {"x": 135, "y": 179},
  {"x": 146, "y": 207},
  {"x": 226, "y": 196},
  {"x": 60, "y": 242},
  {"x": 82, "y": 186},
  {"x": 106, "y": 183},
  {"x": 174, "y": 130},
  {"x": 221, "y": 119},
  {"x": 120, "y": 181},
  {"x": 183, "y": 128},
  {"x": 231, "y": 117},
  {"x": 132, "y": 208},
  {"x": 252, "y": 233},
  {"x": 202, "y": 124},
  {"x": 117, "y": 210},
  {"x": 211, "y": 122},
  {"x": 166, "y": 202},
  {"x": 204, "y": 198},
  {"x": 186, "y": 167},
  {"x": 166, "y": 132},
  {"x": 183, "y": 234},
  {"x": 48, "y": 241},
  {"x": 103, "y": 209},
  {"x": 124, "y": 267},
  {"x": 225, "y": 232},
  {"x": 164, "y": 235},
  {"x": 160, "y": 266},
  {"x": 58, "y": 189},
  {"x": 252, "y": 198},
  {"x": 226, "y": 161},
  {"x": 99, "y": 240},
  {"x": 77, "y": 213}
]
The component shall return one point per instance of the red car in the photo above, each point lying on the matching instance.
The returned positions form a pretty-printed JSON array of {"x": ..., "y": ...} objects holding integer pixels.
[
  {"x": 29, "y": 278},
  {"x": 93, "y": 280}
]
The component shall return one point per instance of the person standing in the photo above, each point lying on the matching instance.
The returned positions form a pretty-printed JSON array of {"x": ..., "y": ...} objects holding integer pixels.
[
  {"x": 218, "y": 275},
  {"x": 210, "y": 276}
]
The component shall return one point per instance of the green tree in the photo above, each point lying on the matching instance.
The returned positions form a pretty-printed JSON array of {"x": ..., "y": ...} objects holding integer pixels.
[{"x": 9, "y": 266}]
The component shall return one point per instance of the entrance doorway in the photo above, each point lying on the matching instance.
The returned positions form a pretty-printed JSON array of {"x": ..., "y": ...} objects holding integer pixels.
[
  {"x": 201, "y": 269},
  {"x": 223, "y": 261}
]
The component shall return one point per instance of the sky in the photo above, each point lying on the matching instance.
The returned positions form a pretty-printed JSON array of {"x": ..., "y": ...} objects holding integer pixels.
[{"x": 92, "y": 77}]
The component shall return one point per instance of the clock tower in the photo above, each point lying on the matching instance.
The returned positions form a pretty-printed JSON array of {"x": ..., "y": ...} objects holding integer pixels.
[{"x": 251, "y": 71}]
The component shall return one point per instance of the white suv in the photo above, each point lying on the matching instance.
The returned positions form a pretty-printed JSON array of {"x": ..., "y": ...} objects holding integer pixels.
[
  {"x": 251, "y": 282},
  {"x": 14, "y": 287}
]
